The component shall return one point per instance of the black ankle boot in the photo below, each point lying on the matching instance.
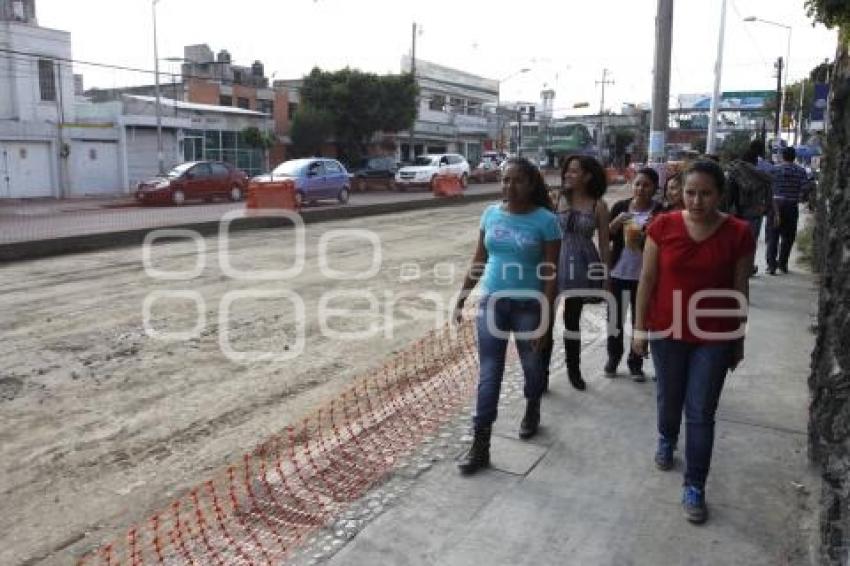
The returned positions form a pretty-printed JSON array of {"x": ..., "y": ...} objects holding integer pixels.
[
  {"x": 478, "y": 455},
  {"x": 531, "y": 420},
  {"x": 573, "y": 349}
]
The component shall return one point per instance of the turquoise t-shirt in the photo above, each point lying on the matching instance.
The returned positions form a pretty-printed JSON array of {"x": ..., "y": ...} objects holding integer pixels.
[{"x": 514, "y": 244}]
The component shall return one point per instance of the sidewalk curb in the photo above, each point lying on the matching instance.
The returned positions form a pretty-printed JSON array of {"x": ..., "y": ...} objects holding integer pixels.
[{"x": 35, "y": 249}]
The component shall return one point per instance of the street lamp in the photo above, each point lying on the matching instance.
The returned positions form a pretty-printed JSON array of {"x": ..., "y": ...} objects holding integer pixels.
[
  {"x": 159, "y": 152},
  {"x": 498, "y": 102},
  {"x": 787, "y": 65}
]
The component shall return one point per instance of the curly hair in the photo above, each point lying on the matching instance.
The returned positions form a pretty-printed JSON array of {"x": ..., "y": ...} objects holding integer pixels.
[
  {"x": 539, "y": 190},
  {"x": 598, "y": 181}
]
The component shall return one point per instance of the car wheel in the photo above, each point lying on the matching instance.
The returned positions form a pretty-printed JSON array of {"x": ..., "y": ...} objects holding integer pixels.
[
  {"x": 343, "y": 195},
  {"x": 299, "y": 199},
  {"x": 361, "y": 185},
  {"x": 235, "y": 194},
  {"x": 464, "y": 181},
  {"x": 178, "y": 197}
]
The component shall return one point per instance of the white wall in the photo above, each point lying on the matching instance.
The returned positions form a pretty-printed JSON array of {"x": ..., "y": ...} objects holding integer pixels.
[{"x": 23, "y": 101}]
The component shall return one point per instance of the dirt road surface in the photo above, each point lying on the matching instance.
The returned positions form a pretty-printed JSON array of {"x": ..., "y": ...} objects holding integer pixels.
[{"x": 102, "y": 424}]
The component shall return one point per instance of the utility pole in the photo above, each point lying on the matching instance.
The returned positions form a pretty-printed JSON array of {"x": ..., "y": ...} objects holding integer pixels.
[
  {"x": 711, "y": 142},
  {"x": 160, "y": 157},
  {"x": 661, "y": 80},
  {"x": 603, "y": 82},
  {"x": 410, "y": 143},
  {"x": 519, "y": 132},
  {"x": 798, "y": 130},
  {"x": 779, "y": 94}
]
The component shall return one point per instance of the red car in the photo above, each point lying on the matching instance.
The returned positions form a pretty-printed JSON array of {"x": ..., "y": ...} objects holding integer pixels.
[{"x": 195, "y": 180}]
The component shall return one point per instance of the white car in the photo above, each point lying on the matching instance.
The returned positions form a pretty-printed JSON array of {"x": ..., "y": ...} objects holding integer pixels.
[{"x": 425, "y": 169}]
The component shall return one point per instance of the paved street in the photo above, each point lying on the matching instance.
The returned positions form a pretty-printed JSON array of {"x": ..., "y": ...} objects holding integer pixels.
[{"x": 44, "y": 219}]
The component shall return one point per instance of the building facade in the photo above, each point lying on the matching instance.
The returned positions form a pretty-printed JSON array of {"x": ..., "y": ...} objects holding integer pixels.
[{"x": 451, "y": 114}]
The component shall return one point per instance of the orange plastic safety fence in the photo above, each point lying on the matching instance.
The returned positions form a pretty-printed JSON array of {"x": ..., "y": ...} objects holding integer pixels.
[{"x": 259, "y": 510}]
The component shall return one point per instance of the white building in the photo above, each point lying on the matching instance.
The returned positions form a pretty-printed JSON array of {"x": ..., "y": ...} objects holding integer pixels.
[{"x": 450, "y": 116}]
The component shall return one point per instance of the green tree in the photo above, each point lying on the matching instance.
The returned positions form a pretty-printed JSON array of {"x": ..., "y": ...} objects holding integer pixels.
[
  {"x": 734, "y": 145},
  {"x": 360, "y": 104},
  {"x": 311, "y": 128}
]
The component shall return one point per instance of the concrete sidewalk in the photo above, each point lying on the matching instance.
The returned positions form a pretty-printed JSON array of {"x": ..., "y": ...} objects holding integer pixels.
[{"x": 586, "y": 491}]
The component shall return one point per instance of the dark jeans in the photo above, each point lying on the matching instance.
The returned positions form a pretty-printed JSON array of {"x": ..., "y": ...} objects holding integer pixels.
[
  {"x": 690, "y": 376},
  {"x": 781, "y": 238},
  {"x": 507, "y": 316},
  {"x": 572, "y": 315},
  {"x": 625, "y": 293}
]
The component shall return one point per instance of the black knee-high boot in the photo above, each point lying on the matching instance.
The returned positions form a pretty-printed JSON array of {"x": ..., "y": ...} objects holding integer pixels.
[{"x": 573, "y": 351}]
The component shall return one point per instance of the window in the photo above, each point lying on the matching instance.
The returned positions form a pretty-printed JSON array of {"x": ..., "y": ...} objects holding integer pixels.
[
  {"x": 228, "y": 140},
  {"x": 212, "y": 139},
  {"x": 46, "y": 80},
  {"x": 315, "y": 169},
  {"x": 243, "y": 103},
  {"x": 456, "y": 105},
  {"x": 265, "y": 106},
  {"x": 220, "y": 170},
  {"x": 332, "y": 167},
  {"x": 437, "y": 102},
  {"x": 292, "y": 109},
  {"x": 201, "y": 171},
  {"x": 225, "y": 100},
  {"x": 455, "y": 159}
]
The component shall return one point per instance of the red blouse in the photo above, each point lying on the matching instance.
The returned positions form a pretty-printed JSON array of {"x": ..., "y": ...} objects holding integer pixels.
[{"x": 687, "y": 267}]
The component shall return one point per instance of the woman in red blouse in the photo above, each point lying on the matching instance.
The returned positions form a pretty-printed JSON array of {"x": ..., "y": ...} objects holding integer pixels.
[{"x": 692, "y": 300}]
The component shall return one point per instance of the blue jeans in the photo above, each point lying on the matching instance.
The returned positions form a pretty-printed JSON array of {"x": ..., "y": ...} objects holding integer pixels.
[
  {"x": 506, "y": 315},
  {"x": 690, "y": 376}
]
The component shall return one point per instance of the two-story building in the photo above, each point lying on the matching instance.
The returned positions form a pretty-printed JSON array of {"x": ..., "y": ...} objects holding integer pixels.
[
  {"x": 451, "y": 112},
  {"x": 44, "y": 151}
]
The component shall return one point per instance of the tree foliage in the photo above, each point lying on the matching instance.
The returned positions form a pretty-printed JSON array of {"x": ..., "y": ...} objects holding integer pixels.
[
  {"x": 360, "y": 104},
  {"x": 257, "y": 138},
  {"x": 311, "y": 128},
  {"x": 735, "y": 145},
  {"x": 831, "y": 13}
]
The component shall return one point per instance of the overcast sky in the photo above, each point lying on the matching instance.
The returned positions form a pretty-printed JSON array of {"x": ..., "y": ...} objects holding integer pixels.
[{"x": 565, "y": 43}]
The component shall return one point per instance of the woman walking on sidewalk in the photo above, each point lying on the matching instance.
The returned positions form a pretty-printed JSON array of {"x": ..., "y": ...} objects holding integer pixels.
[
  {"x": 582, "y": 267},
  {"x": 515, "y": 258},
  {"x": 673, "y": 193},
  {"x": 628, "y": 232},
  {"x": 694, "y": 340}
]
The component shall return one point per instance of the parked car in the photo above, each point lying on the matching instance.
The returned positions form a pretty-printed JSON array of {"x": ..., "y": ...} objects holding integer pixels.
[
  {"x": 194, "y": 180},
  {"x": 425, "y": 169},
  {"x": 373, "y": 172},
  {"x": 487, "y": 171},
  {"x": 315, "y": 179}
]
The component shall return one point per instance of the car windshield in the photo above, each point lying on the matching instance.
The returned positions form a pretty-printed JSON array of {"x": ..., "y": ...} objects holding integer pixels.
[
  {"x": 179, "y": 170},
  {"x": 425, "y": 160},
  {"x": 290, "y": 168}
]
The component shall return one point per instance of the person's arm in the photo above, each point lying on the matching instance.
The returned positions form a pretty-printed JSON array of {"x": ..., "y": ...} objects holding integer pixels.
[
  {"x": 602, "y": 220},
  {"x": 619, "y": 215},
  {"x": 549, "y": 272},
  {"x": 646, "y": 286},
  {"x": 475, "y": 272},
  {"x": 743, "y": 270}
]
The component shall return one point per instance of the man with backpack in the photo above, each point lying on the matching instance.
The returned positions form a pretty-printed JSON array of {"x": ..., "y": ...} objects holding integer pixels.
[{"x": 750, "y": 191}]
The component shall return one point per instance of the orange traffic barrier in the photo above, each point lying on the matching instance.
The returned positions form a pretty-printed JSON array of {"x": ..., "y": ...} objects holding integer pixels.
[
  {"x": 277, "y": 194},
  {"x": 447, "y": 186}
]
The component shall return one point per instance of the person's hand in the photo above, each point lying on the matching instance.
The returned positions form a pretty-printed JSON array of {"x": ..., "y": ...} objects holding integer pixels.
[
  {"x": 737, "y": 354},
  {"x": 640, "y": 343},
  {"x": 621, "y": 218}
]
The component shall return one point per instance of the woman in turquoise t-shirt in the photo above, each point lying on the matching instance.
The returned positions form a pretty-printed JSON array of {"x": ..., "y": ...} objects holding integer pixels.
[{"x": 516, "y": 260}]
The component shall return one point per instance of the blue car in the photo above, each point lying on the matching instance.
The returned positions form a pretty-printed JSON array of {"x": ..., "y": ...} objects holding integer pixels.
[{"x": 316, "y": 178}]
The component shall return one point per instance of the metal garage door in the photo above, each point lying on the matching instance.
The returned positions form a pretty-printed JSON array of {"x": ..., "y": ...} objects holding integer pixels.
[
  {"x": 27, "y": 170},
  {"x": 94, "y": 168}
]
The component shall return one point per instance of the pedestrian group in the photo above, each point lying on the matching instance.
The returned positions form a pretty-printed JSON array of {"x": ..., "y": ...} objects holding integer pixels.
[{"x": 679, "y": 262}]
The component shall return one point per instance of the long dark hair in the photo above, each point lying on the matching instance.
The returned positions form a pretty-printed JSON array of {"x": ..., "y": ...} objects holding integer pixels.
[
  {"x": 539, "y": 191},
  {"x": 598, "y": 183}
]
